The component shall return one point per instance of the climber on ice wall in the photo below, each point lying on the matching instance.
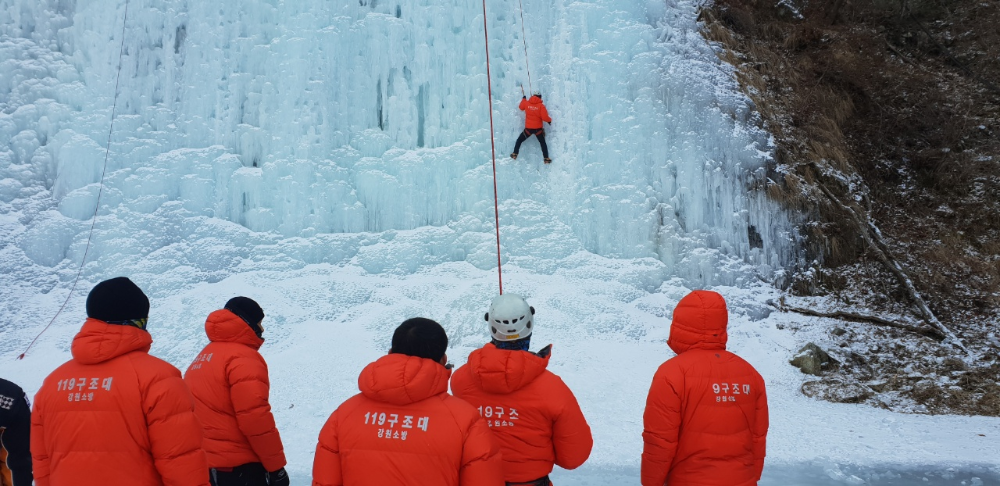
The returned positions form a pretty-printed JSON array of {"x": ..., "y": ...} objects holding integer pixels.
[{"x": 534, "y": 114}]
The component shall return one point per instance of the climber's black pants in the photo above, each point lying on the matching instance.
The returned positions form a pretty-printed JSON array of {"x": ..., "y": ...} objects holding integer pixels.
[{"x": 539, "y": 133}]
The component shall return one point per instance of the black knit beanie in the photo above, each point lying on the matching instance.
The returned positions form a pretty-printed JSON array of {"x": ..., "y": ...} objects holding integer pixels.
[
  {"x": 248, "y": 310},
  {"x": 117, "y": 300},
  {"x": 420, "y": 337}
]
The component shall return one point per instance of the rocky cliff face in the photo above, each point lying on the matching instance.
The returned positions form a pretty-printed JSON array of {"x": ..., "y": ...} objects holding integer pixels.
[{"x": 887, "y": 118}]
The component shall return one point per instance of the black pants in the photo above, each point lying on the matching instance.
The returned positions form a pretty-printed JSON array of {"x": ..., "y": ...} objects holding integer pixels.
[
  {"x": 539, "y": 133},
  {"x": 542, "y": 481},
  {"x": 251, "y": 474}
]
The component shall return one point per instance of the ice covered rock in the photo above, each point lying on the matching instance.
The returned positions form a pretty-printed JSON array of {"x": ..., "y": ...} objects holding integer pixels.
[{"x": 812, "y": 360}]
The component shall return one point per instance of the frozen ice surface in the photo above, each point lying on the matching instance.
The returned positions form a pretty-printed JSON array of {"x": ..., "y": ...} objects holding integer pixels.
[
  {"x": 298, "y": 119},
  {"x": 332, "y": 160}
]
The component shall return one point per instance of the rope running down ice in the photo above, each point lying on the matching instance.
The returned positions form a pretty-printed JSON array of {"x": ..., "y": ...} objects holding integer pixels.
[
  {"x": 100, "y": 191},
  {"x": 493, "y": 148},
  {"x": 524, "y": 40}
]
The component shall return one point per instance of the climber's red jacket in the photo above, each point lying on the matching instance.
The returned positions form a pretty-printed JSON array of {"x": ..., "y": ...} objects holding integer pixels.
[
  {"x": 230, "y": 385},
  {"x": 405, "y": 429},
  {"x": 533, "y": 414},
  {"x": 706, "y": 413},
  {"x": 115, "y": 415},
  {"x": 534, "y": 112}
]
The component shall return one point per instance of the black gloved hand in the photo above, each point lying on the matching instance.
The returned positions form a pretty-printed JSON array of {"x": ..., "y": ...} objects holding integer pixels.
[{"x": 278, "y": 478}]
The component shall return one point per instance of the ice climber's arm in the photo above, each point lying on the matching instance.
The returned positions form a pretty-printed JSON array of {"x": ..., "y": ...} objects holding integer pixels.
[
  {"x": 250, "y": 389},
  {"x": 661, "y": 424}
]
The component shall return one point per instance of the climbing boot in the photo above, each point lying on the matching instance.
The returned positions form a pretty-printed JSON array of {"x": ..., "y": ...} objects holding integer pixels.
[
  {"x": 548, "y": 160},
  {"x": 513, "y": 155}
]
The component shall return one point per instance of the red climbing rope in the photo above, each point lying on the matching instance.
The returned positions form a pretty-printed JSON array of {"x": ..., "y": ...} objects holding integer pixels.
[
  {"x": 493, "y": 147},
  {"x": 524, "y": 39},
  {"x": 100, "y": 191}
]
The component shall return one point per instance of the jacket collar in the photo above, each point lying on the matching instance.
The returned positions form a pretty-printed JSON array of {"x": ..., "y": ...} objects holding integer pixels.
[
  {"x": 99, "y": 341},
  {"x": 504, "y": 371},
  {"x": 401, "y": 380},
  {"x": 226, "y": 327}
]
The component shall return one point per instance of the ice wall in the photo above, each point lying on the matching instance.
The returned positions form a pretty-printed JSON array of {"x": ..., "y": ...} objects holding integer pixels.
[{"x": 323, "y": 129}]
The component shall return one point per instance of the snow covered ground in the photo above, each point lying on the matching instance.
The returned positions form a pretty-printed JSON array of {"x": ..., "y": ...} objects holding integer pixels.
[
  {"x": 333, "y": 162},
  {"x": 326, "y": 322}
]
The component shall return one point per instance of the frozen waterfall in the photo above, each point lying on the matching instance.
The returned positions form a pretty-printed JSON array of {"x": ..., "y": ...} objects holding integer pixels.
[
  {"x": 320, "y": 126},
  {"x": 332, "y": 160}
]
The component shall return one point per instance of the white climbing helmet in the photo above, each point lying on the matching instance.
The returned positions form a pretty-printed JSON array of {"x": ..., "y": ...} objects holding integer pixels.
[{"x": 510, "y": 318}]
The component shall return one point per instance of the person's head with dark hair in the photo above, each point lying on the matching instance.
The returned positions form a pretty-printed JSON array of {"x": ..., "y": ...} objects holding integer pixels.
[{"x": 422, "y": 338}]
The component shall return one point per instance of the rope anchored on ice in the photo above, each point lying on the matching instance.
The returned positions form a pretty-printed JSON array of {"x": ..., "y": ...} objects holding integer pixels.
[
  {"x": 524, "y": 40},
  {"x": 100, "y": 191},
  {"x": 493, "y": 148}
]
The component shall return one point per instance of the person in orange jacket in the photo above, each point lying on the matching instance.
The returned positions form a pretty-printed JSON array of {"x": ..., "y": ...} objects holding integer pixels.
[
  {"x": 533, "y": 414},
  {"x": 229, "y": 382},
  {"x": 706, "y": 414},
  {"x": 114, "y": 414},
  {"x": 404, "y": 429},
  {"x": 534, "y": 114}
]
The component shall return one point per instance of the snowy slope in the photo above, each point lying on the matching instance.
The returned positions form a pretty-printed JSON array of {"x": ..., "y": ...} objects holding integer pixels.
[{"x": 332, "y": 160}]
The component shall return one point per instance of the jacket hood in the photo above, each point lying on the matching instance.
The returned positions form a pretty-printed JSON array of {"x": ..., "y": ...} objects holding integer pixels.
[
  {"x": 504, "y": 371},
  {"x": 224, "y": 326},
  {"x": 534, "y": 100},
  {"x": 99, "y": 341},
  {"x": 401, "y": 380},
  {"x": 700, "y": 321}
]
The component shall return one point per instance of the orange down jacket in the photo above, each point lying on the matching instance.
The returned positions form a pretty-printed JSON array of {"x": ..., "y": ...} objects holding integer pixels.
[
  {"x": 534, "y": 112},
  {"x": 229, "y": 382},
  {"x": 115, "y": 415},
  {"x": 706, "y": 413},
  {"x": 405, "y": 429},
  {"x": 533, "y": 414}
]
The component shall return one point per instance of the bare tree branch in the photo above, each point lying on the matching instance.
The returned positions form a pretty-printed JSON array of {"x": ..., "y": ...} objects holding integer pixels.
[
  {"x": 873, "y": 237},
  {"x": 855, "y": 317}
]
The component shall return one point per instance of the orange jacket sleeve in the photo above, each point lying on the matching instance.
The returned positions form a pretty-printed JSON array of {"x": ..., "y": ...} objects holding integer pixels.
[
  {"x": 326, "y": 462},
  {"x": 39, "y": 458},
  {"x": 482, "y": 464},
  {"x": 544, "y": 113},
  {"x": 174, "y": 432},
  {"x": 661, "y": 427},
  {"x": 249, "y": 389},
  {"x": 571, "y": 436},
  {"x": 760, "y": 431},
  {"x": 523, "y": 104}
]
